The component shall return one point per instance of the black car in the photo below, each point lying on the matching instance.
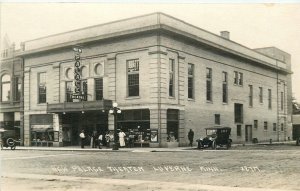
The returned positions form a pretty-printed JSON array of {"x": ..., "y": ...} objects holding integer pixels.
[
  {"x": 7, "y": 140},
  {"x": 215, "y": 137}
]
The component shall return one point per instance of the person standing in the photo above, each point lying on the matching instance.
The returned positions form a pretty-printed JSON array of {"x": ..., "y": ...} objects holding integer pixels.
[
  {"x": 100, "y": 139},
  {"x": 191, "y": 137},
  {"x": 122, "y": 138},
  {"x": 82, "y": 138}
]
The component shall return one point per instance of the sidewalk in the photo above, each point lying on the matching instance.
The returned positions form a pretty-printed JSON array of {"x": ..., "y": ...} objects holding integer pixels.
[{"x": 138, "y": 149}]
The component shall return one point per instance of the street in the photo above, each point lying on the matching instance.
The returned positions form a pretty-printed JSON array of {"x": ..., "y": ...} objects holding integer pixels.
[{"x": 241, "y": 168}]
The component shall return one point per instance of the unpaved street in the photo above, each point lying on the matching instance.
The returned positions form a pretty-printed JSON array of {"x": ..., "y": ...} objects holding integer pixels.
[{"x": 265, "y": 167}]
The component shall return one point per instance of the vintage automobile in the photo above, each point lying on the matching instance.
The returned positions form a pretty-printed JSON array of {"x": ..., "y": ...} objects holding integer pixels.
[
  {"x": 7, "y": 140},
  {"x": 215, "y": 137}
]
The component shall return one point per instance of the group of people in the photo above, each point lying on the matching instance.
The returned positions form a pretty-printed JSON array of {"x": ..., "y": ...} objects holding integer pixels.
[{"x": 103, "y": 139}]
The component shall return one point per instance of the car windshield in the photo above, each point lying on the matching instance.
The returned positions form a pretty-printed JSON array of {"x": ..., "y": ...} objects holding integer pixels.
[{"x": 211, "y": 132}]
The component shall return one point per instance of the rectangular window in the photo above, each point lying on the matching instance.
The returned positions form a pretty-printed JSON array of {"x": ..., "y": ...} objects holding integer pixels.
[
  {"x": 42, "y": 91},
  {"x": 171, "y": 77},
  {"x": 239, "y": 130},
  {"x": 208, "y": 84},
  {"x": 133, "y": 77},
  {"x": 238, "y": 113},
  {"x": 238, "y": 78},
  {"x": 191, "y": 81},
  {"x": 255, "y": 124},
  {"x": 224, "y": 88},
  {"x": 18, "y": 89},
  {"x": 274, "y": 126},
  {"x": 69, "y": 91},
  {"x": 84, "y": 88},
  {"x": 269, "y": 99},
  {"x": 281, "y": 100},
  {"x": 281, "y": 127},
  {"x": 250, "y": 95},
  {"x": 260, "y": 95},
  {"x": 265, "y": 125},
  {"x": 217, "y": 119},
  {"x": 99, "y": 88}
]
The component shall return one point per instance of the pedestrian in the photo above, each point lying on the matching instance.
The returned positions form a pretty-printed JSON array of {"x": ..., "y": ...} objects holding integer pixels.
[
  {"x": 107, "y": 138},
  {"x": 100, "y": 139},
  {"x": 191, "y": 137},
  {"x": 82, "y": 138},
  {"x": 122, "y": 138}
]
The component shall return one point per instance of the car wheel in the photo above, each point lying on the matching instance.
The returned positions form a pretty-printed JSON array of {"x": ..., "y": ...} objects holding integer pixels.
[
  {"x": 13, "y": 147},
  {"x": 214, "y": 145},
  {"x": 10, "y": 142},
  {"x": 228, "y": 144}
]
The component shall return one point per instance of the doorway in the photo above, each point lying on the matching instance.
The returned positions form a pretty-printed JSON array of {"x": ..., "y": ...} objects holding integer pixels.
[{"x": 248, "y": 133}]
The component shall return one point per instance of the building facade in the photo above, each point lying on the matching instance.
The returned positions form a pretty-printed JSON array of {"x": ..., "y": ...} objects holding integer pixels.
[
  {"x": 11, "y": 80},
  {"x": 167, "y": 77}
]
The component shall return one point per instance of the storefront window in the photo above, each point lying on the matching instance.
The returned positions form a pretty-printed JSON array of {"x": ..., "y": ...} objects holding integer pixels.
[{"x": 172, "y": 125}]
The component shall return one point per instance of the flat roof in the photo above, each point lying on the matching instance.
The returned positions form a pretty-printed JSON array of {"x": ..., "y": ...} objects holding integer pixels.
[{"x": 154, "y": 21}]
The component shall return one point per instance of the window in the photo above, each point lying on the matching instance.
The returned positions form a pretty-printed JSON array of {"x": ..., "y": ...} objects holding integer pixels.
[
  {"x": 255, "y": 124},
  {"x": 42, "y": 91},
  {"x": 224, "y": 88},
  {"x": 217, "y": 119},
  {"x": 18, "y": 89},
  {"x": 99, "y": 88},
  {"x": 191, "y": 81},
  {"x": 239, "y": 130},
  {"x": 238, "y": 113},
  {"x": 250, "y": 95},
  {"x": 69, "y": 91},
  {"x": 281, "y": 100},
  {"x": 84, "y": 89},
  {"x": 208, "y": 84},
  {"x": 274, "y": 126},
  {"x": 173, "y": 124},
  {"x": 265, "y": 125},
  {"x": 133, "y": 77},
  {"x": 171, "y": 77},
  {"x": 260, "y": 95},
  {"x": 281, "y": 127},
  {"x": 5, "y": 87},
  {"x": 238, "y": 78},
  {"x": 269, "y": 99}
]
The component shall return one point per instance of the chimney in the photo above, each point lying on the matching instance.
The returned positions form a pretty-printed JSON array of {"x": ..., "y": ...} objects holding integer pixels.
[{"x": 225, "y": 34}]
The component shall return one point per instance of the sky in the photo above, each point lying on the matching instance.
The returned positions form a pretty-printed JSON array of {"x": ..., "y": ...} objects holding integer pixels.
[{"x": 252, "y": 25}]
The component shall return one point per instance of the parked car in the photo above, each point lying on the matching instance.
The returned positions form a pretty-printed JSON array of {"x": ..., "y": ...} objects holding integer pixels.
[
  {"x": 215, "y": 137},
  {"x": 7, "y": 140}
]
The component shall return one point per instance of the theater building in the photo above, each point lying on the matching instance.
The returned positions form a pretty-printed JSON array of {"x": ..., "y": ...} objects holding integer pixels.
[
  {"x": 167, "y": 77},
  {"x": 11, "y": 82}
]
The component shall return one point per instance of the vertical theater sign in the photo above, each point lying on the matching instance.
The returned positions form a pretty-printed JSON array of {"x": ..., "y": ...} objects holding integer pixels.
[{"x": 78, "y": 93}]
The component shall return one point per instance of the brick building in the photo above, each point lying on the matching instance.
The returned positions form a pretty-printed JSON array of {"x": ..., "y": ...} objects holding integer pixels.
[
  {"x": 11, "y": 80},
  {"x": 167, "y": 76}
]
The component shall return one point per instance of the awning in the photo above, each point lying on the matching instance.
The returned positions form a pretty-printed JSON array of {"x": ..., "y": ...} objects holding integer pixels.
[{"x": 41, "y": 128}]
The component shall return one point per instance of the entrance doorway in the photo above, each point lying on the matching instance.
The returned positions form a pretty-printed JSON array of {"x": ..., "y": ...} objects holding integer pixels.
[{"x": 248, "y": 133}]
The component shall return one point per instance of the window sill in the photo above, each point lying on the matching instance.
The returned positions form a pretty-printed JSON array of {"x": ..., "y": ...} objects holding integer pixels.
[
  {"x": 171, "y": 97},
  {"x": 191, "y": 99},
  {"x": 225, "y": 103},
  {"x": 132, "y": 97},
  {"x": 207, "y": 101}
]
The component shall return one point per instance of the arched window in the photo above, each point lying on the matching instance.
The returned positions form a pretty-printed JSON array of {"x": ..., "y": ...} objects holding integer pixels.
[
  {"x": 5, "y": 87},
  {"x": 84, "y": 72},
  {"x": 98, "y": 69},
  {"x": 69, "y": 73}
]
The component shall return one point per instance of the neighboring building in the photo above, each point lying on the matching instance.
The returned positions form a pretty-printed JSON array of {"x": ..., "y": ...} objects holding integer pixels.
[
  {"x": 167, "y": 76},
  {"x": 296, "y": 121},
  {"x": 11, "y": 81}
]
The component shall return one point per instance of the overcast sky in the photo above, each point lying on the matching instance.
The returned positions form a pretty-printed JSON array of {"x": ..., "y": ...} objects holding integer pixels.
[{"x": 252, "y": 25}]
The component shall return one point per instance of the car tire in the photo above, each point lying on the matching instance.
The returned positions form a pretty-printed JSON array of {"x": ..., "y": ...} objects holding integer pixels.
[
  {"x": 228, "y": 144},
  {"x": 10, "y": 142},
  {"x": 213, "y": 145}
]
